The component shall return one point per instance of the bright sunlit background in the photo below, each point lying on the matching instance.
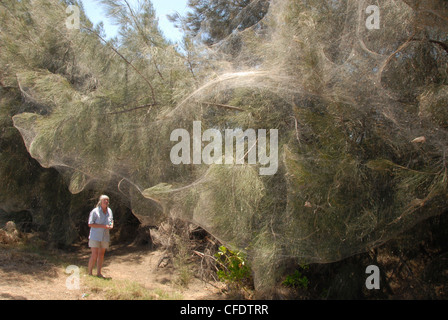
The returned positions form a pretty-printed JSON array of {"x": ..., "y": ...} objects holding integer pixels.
[{"x": 162, "y": 7}]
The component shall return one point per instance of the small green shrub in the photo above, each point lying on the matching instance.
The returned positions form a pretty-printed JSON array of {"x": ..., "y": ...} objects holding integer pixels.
[
  {"x": 297, "y": 279},
  {"x": 234, "y": 268}
]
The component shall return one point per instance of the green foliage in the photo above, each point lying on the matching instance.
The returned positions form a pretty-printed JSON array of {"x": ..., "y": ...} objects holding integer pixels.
[
  {"x": 234, "y": 267},
  {"x": 297, "y": 279},
  {"x": 214, "y": 20}
]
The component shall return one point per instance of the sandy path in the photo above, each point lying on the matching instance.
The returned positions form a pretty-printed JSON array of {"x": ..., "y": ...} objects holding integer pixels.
[{"x": 25, "y": 275}]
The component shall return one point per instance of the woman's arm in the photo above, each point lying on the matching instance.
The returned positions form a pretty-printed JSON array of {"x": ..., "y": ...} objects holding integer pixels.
[{"x": 94, "y": 225}]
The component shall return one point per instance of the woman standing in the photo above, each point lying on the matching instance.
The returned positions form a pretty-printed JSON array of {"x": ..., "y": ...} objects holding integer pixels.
[{"x": 100, "y": 222}]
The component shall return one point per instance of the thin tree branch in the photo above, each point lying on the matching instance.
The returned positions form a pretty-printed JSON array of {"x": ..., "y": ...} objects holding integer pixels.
[
  {"x": 145, "y": 38},
  {"x": 129, "y": 63},
  {"x": 226, "y": 106},
  {"x": 132, "y": 109},
  {"x": 440, "y": 43}
]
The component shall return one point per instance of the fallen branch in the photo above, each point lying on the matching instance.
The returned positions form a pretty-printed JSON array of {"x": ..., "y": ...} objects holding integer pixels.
[{"x": 203, "y": 255}]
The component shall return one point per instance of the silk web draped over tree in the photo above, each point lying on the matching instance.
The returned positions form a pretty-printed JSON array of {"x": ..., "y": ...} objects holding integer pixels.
[{"x": 361, "y": 113}]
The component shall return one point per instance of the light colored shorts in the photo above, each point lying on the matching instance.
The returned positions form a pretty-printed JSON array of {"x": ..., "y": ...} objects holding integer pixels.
[{"x": 98, "y": 244}]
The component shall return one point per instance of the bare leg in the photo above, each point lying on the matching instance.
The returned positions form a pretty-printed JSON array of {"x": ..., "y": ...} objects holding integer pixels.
[
  {"x": 93, "y": 259},
  {"x": 99, "y": 264}
]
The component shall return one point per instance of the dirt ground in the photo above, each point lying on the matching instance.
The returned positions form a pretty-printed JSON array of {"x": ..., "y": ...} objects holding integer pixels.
[
  {"x": 27, "y": 275},
  {"x": 414, "y": 267}
]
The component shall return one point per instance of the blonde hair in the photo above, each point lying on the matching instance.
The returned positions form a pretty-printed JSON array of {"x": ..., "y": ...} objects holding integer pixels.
[{"x": 101, "y": 198}]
